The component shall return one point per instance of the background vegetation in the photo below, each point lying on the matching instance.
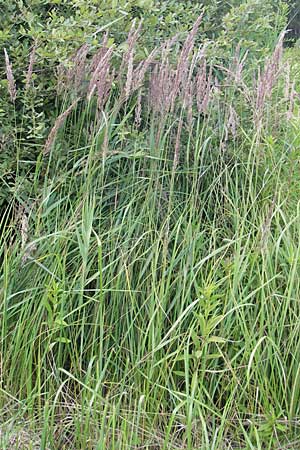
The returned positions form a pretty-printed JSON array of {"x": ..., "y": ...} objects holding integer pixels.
[{"x": 150, "y": 225}]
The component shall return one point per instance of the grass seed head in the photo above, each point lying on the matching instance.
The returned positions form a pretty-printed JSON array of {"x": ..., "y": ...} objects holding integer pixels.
[
  {"x": 32, "y": 58},
  {"x": 10, "y": 78},
  {"x": 58, "y": 123}
]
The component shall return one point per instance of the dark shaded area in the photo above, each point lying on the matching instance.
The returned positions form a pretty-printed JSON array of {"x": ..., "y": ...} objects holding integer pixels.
[{"x": 294, "y": 23}]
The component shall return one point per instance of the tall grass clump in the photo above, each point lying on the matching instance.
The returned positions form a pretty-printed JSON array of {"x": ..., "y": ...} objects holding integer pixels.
[{"x": 150, "y": 278}]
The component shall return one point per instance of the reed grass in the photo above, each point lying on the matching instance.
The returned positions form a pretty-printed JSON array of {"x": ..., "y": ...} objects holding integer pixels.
[{"x": 155, "y": 300}]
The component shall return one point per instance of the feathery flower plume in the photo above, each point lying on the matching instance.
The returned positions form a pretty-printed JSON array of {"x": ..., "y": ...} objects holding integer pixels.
[
  {"x": 79, "y": 66},
  {"x": 104, "y": 85},
  {"x": 128, "y": 57},
  {"x": 102, "y": 80},
  {"x": 177, "y": 144},
  {"x": 10, "y": 78},
  {"x": 162, "y": 81},
  {"x": 140, "y": 71},
  {"x": 30, "y": 248},
  {"x": 131, "y": 41},
  {"x": 183, "y": 61},
  {"x": 58, "y": 123},
  {"x": 238, "y": 65},
  {"x": 129, "y": 76},
  {"x": 289, "y": 93},
  {"x": 100, "y": 73},
  {"x": 203, "y": 87},
  {"x": 23, "y": 223},
  {"x": 268, "y": 78},
  {"x": 138, "y": 109},
  {"x": 189, "y": 100},
  {"x": 233, "y": 121},
  {"x": 231, "y": 125},
  {"x": 24, "y": 226},
  {"x": 99, "y": 54},
  {"x": 292, "y": 97},
  {"x": 30, "y": 67},
  {"x": 189, "y": 88},
  {"x": 74, "y": 75},
  {"x": 161, "y": 87}
]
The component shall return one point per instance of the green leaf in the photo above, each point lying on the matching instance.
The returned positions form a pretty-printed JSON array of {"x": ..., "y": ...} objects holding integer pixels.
[
  {"x": 180, "y": 373},
  {"x": 216, "y": 339},
  {"x": 60, "y": 323},
  {"x": 62, "y": 340},
  {"x": 213, "y": 356}
]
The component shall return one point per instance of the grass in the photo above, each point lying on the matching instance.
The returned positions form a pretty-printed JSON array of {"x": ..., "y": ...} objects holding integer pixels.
[{"x": 147, "y": 305}]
